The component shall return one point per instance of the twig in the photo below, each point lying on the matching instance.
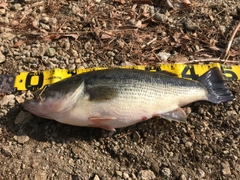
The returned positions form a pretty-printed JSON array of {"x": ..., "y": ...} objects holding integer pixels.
[
  {"x": 40, "y": 95},
  {"x": 210, "y": 60},
  {"x": 230, "y": 41}
]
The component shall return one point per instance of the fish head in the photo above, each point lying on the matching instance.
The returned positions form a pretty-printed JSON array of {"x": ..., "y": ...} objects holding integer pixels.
[{"x": 47, "y": 104}]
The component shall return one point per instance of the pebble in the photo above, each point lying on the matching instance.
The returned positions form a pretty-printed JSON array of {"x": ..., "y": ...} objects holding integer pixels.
[
  {"x": 188, "y": 110},
  {"x": 23, "y": 117},
  {"x": 226, "y": 168},
  {"x": 17, "y": 6},
  {"x": 166, "y": 172},
  {"x": 73, "y": 52},
  {"x": 119, "y": 173},
  {"x": 125, "y": 175},
  {"x": 201, "y": 173},
  {"x": 76, "y": 150},
  {"x": 2, "y": 11},
  {"x": 2, "y": 57},
  {"x": 20, "y": 99},
  {"x": 96, "y": 177},
  {"x": 21, "y": 139},
  {"x": 4, "y": 19},
  {"x": 146, "y": 175},
  {"x": 183, "y": 177},
  {"x": 161, "y": 17},
  {"x": 40, "y": 175},
  {"x": 7, "y": 35},
  {"x": 50, "y": 52},
  {"x": 7, "y": 100},
  {"x": 6, "y": 151},
  {"x": 163, "y": 55}
]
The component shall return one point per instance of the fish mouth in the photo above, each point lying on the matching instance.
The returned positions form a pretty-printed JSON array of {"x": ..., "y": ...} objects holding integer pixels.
[
  {"x": 34, "y": 106},
  {"x": 30, "y": 104}
]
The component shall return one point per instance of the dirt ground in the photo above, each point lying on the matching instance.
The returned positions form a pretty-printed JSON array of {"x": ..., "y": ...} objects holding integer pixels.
[{"x": 46, "y": 34}]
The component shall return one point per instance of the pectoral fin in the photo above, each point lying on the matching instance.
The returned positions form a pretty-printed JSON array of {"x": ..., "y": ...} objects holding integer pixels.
[
  {"x": 97, "y": 119},
  {"x": 101, "y": 93},
  {"x": 100, "y": 122},
  {"x": 175, "y": 115}
]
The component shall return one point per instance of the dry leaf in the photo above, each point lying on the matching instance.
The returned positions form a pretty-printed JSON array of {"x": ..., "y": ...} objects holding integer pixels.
[
  {"x": 176, "y": 37},
  {"x": 107, "y": 35},
  {"x": 74, "y": 36},
  {"x": 56, "y": 36},
  {"x": 51, "y": 37}
]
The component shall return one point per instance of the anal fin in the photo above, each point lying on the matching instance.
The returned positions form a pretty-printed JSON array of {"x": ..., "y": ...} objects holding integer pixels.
[{"x": 175, "y": 115}]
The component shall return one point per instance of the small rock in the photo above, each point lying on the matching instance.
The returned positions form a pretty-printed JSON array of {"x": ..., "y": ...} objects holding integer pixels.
[
  {"x": 76, "y": 150},
  {"x": 17, "y": 6},
  {"x": 190, "y": 25},
  {"x": 188, "y": 144},
  {"x": 2, "y": 11},
  {"x": 6, "y": 151},
  {"x": 38, "y": 52},
  {"x": 201, "y": 173},
  {"x": 73, "y": 52},
  {"x": 188, "y": 110},
  {"x": 155, "y": 167},
  {"x": 125, "y": 175},
  {"x": 166, "y": 172},
  {"x": 40, "y": 175},
  {"x": 52, "y": 20},
  {"x": 45, "y": 19},
  {"x": 35, "y": 23},
  {"x": 7, "y": 100},
  {"x": 110, "y": 53},
  {"x": 20, "y": 99},
  {"x": 21, "y": 139},
  {"x": 7, "y": 35},
  {"x": 183, "y": 177},
  {"x": 119, "y": 173},
  {"x": 96, "y": 177},
  {"x": 29, "y": 95},
  {"x": 45, "y": 26},
  {"x": 226, "y": 168},
  {"x": 23, "y": 117},
  {"x": 4, "y": 19},
  {"x": 2, "y": 58},
  {"x": 163, "y": 55},
  {"x": 146, "y": 175},
  {"x": 160, "y": 17},
  {"x": 50, "y": 52}
]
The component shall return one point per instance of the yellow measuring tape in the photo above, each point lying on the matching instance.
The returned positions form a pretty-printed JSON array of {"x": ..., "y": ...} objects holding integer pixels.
[{"x": 37, "y": 80}]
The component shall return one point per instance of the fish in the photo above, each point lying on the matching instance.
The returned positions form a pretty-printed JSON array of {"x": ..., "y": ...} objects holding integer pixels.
[{"x": 117, "y": 98}]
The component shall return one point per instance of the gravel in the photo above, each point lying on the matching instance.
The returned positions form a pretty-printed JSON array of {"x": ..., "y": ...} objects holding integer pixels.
[{"x": 40, "y": 35}]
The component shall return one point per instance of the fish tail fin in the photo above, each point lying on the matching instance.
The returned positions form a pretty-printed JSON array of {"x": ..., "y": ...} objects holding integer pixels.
[{"x": 216, "y": 86}]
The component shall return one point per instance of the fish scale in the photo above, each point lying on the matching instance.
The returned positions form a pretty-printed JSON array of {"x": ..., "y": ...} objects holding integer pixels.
[{"x": 116, "y": 98}]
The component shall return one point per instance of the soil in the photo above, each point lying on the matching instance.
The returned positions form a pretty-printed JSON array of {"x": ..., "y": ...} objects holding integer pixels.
[{"x": 46, "y": 34}]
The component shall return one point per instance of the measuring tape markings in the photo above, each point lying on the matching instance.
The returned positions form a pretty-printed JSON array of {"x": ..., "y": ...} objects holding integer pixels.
[{"x": 37, "y": 80}]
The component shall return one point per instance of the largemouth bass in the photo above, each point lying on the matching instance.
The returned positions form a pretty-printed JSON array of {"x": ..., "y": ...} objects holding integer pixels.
[{"x": 116, "y": 98}]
